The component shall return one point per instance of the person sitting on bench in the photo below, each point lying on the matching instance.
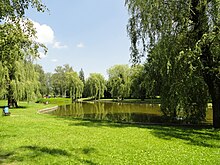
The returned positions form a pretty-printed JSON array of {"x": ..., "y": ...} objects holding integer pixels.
[{"x": 6, "y": 111}]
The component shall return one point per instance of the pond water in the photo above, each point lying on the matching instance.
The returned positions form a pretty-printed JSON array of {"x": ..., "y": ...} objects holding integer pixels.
[{"x": 117, "y": 112}]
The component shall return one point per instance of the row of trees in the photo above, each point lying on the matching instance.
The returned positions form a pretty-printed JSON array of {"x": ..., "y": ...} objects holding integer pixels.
[{"x": 123, "y": 82}]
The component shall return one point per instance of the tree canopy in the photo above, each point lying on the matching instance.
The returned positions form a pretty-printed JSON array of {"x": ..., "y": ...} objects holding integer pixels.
[
  {"x": 17, "y": 50},
  {"x": 184, "y": 35},
  {"x": 95, "y": 86},
  {"x": 119, "y": 80}
]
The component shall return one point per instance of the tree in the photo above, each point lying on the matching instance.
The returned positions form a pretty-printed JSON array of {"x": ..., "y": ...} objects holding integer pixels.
[
  {"x": 16, "y": 8},
  {"x": 29, "y": 82},
  {"x": 74, "y": 85},
  {"x": 18, "y": 49},
  {"x": 183, "y": 91},
  {"x": 42, "y": 80},
  {"x": 95, "y": 85},
  {"x": 82, "y": 76},
  {"x": 138, "y": 84},
  {"x": 66, "y": 82},
  {"x": 119, "y": 80},
  {"x": 192, "y": 24},
  {"x": 49, "y": 88},
  {"x": 58, "y": 81}
]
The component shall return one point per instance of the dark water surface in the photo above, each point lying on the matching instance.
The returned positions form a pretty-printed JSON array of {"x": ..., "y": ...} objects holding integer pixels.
[{"x": 117, "y": 112}]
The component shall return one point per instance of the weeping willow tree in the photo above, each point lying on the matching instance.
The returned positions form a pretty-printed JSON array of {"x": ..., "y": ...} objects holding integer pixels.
[
  {"x": 74, "y": 84},
  {"x": 120, "y": 81},
  {"x": 182, "y": 89},
  {"x": 18, "y": 50},
  {"x": 186, "y": 34},
  {"x": 95, "y": 86},
  {"x": 25, "y": 85}
]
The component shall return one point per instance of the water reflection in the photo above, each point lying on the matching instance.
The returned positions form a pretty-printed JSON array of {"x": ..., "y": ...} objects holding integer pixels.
[{"x": 116, "y": 112}]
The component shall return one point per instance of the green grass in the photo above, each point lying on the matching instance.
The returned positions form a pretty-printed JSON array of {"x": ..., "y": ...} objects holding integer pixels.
[
  {"x": 27, "y": 137},
  {"x": 58, "y": 101}
]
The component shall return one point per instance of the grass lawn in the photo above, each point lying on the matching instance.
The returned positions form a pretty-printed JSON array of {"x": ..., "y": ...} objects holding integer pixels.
[{"x": 27, "y": 137}]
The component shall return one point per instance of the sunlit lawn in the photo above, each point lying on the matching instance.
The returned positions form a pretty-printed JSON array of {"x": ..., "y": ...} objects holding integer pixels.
[{"x": 27, "y": 137}]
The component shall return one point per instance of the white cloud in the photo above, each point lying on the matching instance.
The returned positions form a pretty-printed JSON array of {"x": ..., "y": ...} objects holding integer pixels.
[
  {"x": 58, "y": 45},
  {"x": 45, "y": 33},
  {"x": 54, "y": 60},
  {"x": 80, "y": 45}
]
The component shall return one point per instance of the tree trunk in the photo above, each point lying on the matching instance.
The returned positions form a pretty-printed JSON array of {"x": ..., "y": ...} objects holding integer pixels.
[
  {"x": 11, "y": 101},
  {"x": 213, "y": 83},
  {"x": 214, "y": 90},
  {"x": 200, "y": 19},
  {"x": 216, "y": 109}
]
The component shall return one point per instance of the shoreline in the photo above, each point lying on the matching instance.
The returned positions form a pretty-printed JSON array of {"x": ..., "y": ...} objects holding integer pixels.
[{"x": 46, "y": 110}]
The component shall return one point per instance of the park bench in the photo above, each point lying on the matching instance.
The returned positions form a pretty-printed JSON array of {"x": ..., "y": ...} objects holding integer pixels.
[{"x": 6, "y": 111}]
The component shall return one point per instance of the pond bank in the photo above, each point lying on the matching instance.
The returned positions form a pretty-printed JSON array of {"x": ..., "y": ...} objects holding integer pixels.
[
  {"x": 46, "y": 110},
  {"x": 32, "y": 138}
]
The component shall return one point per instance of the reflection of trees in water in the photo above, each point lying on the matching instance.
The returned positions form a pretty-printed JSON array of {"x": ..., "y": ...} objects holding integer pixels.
[
  {"x": 60, "y": 111},
  {"x": 116, "y": 112},
  {"x": 77, "y": 110},
  {"x": 95, "y": 111},
  {"x": 100, "y": 112}
]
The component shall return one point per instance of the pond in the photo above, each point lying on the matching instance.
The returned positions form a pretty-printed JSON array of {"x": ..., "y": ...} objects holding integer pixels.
[{"x": 116, "y": 112}]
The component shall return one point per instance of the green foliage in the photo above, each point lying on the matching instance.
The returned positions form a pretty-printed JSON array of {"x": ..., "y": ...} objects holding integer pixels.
[
  {"x": 95, "y": 86},
  {"x": 120, "y": 81},
  {"x": 3, "y": 82},
  {"x": 182, "y": 89},
  {"x": 182, "y": 42},
  {"x": 74, "y": 84},
  {"x": 17, "y": 8},
  {"x": 82, "y": 76},
  {"x": 138, "y": 82},
  {"x": 66, "y": 82},
  {"x": 58, "y": 80},
  {"x": 42, "y": 78},
  {"x": 17, "y": 51}
]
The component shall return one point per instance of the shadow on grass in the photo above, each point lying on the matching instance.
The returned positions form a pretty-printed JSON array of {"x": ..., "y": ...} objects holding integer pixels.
[
  {"x": 98, "y": 123},
  {"x": 197, "y": 135},
  {"x": 30, "y": 153},
  {"x": 5, "y": 156},
  {"x": 85, "y": 151},
  {"x": 192, "y": 136},
  {"x": 47, "y": 150}
]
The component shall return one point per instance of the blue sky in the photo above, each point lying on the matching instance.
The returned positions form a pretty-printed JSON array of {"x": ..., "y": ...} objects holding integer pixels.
[{"x": 87, "y": 34}]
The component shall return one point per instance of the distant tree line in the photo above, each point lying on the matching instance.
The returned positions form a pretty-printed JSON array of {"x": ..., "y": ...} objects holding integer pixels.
[{"x": 123, "y": 82}]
